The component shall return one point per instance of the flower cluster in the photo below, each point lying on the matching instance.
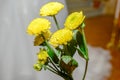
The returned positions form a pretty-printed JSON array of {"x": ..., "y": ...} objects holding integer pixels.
[{"x": 58, "y": 48}]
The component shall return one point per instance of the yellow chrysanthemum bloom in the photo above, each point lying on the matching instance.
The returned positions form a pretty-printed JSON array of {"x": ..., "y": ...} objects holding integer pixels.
[
  {"x": 38, "y": 26},
  {"x": 61, "y": 37},
  {"x": 39, "y": 38},
  {"x": 74, "y": 20},
  {"x": 42, "y": 56},
  {"x": 51, "y": 8}
]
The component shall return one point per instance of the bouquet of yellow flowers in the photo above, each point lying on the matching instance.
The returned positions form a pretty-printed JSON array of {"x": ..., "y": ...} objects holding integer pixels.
[{"x": 57, "y": 49}]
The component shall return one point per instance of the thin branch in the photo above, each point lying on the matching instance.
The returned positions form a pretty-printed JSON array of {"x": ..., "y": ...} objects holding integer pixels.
[
  {"x": 53, "y": 64},
  {"x": 86, "y": 67},
  {"x": 56, "y": 22},
  {"x": 52, "y": 68}
]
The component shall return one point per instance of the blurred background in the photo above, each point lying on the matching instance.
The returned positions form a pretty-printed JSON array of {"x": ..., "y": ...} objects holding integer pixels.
[{"x": 17, "y": 53}]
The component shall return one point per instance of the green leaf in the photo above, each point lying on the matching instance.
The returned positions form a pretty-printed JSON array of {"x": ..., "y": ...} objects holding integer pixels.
[
  {"x": 82, "y": 25},
  {"x": 68, "y": 64},
  {"x": 69, "y": 60},
  {"x": 80, "y": 39},
  {"x": 81, "y": 53},
  {"x": 74, "y": 62},
  {"x": 70, "y": 49},
  {"x": 66, "y": 59},
  {"x": 52, "y": 52}
]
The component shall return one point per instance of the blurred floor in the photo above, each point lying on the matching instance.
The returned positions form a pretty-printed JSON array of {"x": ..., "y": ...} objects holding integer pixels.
[{"x": 98, "y": 31}]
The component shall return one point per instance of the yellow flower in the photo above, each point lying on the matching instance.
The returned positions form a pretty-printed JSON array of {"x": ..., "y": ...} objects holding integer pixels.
[
  {"x": 37, "y": 66},
  {"x": 39, "y": 39},
  {"x": 61, "y": 37},
  {"x": 51, "y": 8},
  {"x": 38, "y": 26},
  {"x": 42, "y": 56},
  {"x": 74, "y": 20},
  {"x": 42, "y": 59}
]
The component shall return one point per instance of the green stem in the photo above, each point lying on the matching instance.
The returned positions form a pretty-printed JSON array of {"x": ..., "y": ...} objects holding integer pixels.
[
  {"x": 63, "y": 75},
  {"x": 86, "y": 57},
  {"x": 51, "y": 70},
  {"x": 67, "y": 77},
  {"x": 86, "y": 67},
  {"x": 56, "y": 22},
  {"x": 54, "y": 64}
]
